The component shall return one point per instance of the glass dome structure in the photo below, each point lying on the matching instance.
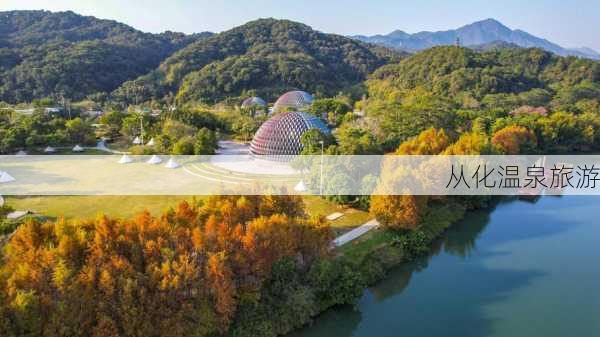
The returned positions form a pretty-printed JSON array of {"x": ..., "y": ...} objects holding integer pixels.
[
  {"x": 279, "y": 137},
  {"x": 254, "y": 102},
  {"x": 293, "y": 100}
]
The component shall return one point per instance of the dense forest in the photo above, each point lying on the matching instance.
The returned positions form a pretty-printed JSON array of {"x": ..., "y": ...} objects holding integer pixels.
[
  {"x": 264, "y": 57},
  {"x": 249, "y": 266},
  {"x": 45, "y": 54},
  {"x": 458, "y": 88}
]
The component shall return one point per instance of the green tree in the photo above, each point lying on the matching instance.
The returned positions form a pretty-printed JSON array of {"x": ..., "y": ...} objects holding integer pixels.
[
  {"x": 80, "y": 131},
  {"x": 206, "y": 142},
  {"x": 185, "y": 146}
]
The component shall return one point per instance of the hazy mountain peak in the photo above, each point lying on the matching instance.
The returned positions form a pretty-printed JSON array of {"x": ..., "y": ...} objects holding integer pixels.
[
  {"x": 488, "y": 23},
  {"x": 478, "y": 33}
]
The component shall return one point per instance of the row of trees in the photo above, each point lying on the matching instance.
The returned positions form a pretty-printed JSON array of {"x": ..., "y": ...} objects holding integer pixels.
[
  {"x": 20, "y": 131},
  {"x": 406, "y": 212}
]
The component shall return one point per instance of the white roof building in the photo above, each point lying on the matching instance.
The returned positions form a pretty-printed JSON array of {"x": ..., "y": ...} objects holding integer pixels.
[
  {"x": 154, "y": 160},
  {"x": 6, "y": 178},
  {"x": 172, "y": 164},
  {"x": 125, "y": 159}
]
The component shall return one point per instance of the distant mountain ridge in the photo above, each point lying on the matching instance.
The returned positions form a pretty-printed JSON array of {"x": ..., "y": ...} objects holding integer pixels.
[{"x": 478, "y": 33}]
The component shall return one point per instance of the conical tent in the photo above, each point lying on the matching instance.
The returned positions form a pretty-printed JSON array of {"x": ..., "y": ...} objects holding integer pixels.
[
  {"x": 126, "y": 159},
  {"x": 49, "y": 149},
  {"x": 137, "y": 141},
  {"x": 151, "y": 142},
  {"x": 154, "y": 160},
  {"x": 5, "y": 177},
  {"x": 300, "y": 187},
  {"x": 77, "y": 148},
  {"x": 172, "y": 164}
]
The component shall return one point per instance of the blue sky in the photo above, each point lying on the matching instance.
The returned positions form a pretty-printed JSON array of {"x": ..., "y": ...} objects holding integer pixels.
[{"x": 570, "y": 23}]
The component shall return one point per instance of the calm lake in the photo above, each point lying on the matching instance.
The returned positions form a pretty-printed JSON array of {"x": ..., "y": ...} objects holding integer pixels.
[{"x": 521, "y": 269}]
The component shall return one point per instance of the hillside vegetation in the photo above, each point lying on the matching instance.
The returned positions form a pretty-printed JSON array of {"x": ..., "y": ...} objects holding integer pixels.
[
  {"x": 45, "y": 54},
  {"x": 265, "y": 57},
  {"x": 450, "y": 88}
]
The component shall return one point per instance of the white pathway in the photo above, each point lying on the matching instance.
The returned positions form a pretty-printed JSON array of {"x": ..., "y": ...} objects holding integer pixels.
[{"x": 355, "y": 233}]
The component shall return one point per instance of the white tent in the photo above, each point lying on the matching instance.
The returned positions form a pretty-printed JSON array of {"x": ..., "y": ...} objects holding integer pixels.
[
  {"x": 5, "y": 177},
  {"x": 154, "y": 160},
  {"x": 172, "y": 164},
  {"x": 49, "y": 149},
  {"x": 126, "y": 159},
  {"x": 21, "y": 153},
  {"x": 137, "y": 141},
  {"x": 151, "y": 142},
  {"x": 78, "y": 148},
  {"x": 300, "y": 187}
]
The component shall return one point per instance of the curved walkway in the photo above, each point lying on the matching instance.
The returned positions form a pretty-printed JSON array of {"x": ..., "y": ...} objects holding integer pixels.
[{"x": 101, "y": 146}]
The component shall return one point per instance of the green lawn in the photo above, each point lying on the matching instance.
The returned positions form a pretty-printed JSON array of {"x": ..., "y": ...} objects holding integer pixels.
[
  {"x": 352, "y": 217},
  {"x": 127, "y": 206},
  {"x": 358, "y": 249},
  {"x": 91, "y": 206}
]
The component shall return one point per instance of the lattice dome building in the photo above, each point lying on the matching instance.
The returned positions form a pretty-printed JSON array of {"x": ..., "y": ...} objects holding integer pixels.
[
  {"x": 279, "y": 137},
  {"x": 293, "y": 100},
  {"x": 253, "y": 102}
]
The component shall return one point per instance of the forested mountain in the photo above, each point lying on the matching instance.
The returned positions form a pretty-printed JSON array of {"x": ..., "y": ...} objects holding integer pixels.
[
  {"x": 435, "y": 86},
  {"x": 477, "y": 33},
  {"x": 50, "y": 54},
  {"x": 450, "y": 71},
  {"x": 266, "y": 56},
  {"x": 493, "y": 46}
]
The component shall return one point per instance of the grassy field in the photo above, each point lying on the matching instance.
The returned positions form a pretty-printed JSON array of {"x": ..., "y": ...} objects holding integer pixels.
[
  {"x": 127, "y": 206},
  {"x": 91, "y": 206},
  {"x": 352, "y": 217}
]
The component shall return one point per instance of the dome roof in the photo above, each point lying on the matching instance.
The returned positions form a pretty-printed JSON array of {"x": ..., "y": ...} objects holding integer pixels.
[
  {"x": 253, "y": 101},
  {"x": 295, "y": 100},
  {"x": 279, "y": 137}
]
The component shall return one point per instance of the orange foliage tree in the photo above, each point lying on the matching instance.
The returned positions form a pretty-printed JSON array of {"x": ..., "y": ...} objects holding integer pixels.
[
  {"x": 513, "y": 140},
  {"x": 406, "y": 211},
  {"x": 181, "y": 274}
]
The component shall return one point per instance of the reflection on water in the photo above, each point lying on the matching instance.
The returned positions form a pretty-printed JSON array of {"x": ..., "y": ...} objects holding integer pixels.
[{"x": 497, "y": 273}]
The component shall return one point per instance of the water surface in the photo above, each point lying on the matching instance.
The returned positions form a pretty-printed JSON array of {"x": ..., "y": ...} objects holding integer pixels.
[{"x": 521, "y": 269}]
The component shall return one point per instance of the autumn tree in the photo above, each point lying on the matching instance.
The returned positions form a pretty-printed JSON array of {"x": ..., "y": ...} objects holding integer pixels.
[
  {"x": 405, "y": 211},
  {"x": 514, "y": 140},
  {"x": 399, "y": 212},
  {"x": 185, "y": 273}
]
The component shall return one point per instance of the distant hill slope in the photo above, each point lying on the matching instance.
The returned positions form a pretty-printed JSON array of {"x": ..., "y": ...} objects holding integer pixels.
[
  {"x": 265, "y": 57},
  {"x": 44, "y": 54},
  {"x": 494, "y": 45},
  {"x": 452, "y": 72},
  {"x": 477, "y": 33}
]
